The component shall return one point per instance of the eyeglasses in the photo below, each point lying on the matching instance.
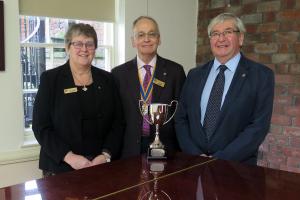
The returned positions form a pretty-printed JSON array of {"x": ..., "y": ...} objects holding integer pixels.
[
  {"x": 79, "y": 45},
  {"x": 226, "y": 33},
  {"x": 142, "y": 35}
]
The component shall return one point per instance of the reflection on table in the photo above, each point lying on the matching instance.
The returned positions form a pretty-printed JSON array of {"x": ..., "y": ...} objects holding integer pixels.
[{"x": 182, "y": 177}]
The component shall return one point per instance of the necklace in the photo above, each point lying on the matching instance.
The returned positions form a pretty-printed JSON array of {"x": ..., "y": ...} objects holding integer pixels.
[{"x": 84, "y": 88}]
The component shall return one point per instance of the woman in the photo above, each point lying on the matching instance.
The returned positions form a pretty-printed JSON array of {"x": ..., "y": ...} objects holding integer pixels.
[{"x": 77, "y": 116}]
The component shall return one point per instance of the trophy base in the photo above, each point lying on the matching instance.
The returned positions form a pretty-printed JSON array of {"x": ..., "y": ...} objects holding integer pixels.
[{"x": 156, "y": 154}]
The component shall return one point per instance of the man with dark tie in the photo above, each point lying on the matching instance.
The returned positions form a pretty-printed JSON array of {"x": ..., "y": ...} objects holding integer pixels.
[
  {"x": 152, "y": 79},
  {"x": 226, "y": 105}
]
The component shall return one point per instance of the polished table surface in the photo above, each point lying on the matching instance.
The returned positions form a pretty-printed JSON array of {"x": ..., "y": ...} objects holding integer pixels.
[{"x": 183, "y": 177}]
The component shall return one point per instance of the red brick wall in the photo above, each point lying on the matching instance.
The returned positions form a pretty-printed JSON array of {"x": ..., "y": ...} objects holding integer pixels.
[{"x": 272, "y": 38}]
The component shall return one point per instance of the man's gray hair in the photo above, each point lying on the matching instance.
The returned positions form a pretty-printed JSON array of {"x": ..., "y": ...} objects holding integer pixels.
[
  {"x": 148, "y": 18},
  {"x": 239, "y": 25}
]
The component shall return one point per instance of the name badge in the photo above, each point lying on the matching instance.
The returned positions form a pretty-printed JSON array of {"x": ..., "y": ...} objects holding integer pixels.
[
  {"x": 70, "y": 90},
  {"x": 159, "y": 82}
]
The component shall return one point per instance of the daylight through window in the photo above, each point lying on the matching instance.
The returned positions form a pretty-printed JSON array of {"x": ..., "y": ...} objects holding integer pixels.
[{"x": 42, "y": 48}]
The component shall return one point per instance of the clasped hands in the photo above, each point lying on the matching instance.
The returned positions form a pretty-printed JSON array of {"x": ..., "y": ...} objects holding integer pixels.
[{"x": 79, "y": 162}]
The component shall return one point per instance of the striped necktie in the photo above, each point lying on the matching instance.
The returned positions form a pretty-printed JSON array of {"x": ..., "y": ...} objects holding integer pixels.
[{"x": 146, "y": 81}]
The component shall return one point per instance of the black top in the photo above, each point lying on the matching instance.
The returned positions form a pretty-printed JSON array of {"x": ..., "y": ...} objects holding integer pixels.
[
  {"x": 65, "y": 118},
  {"x": 87, "y": 103}
]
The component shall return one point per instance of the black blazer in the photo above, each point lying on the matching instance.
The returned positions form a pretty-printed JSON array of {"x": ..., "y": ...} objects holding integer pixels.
[
  {"x": 57, "y": 120},
  {"x": 245, "y": 115},
  {"x": 126, "y": 76}
]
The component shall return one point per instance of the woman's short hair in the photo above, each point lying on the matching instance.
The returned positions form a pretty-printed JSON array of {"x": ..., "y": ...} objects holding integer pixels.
[
  {"x": 80, "y": 29},
  {"x": 226, "y": 16}
]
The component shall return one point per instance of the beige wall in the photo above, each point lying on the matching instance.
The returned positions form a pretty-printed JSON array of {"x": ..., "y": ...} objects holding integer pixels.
[
  {"x": 19, "y": 172},
  {"x": 11, "y": 115},
  {"x": 177, "y": 21},
  {"x": 11, "y": 121}
]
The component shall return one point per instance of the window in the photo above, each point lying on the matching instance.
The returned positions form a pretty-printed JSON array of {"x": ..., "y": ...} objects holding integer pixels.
[{"x": 42, "y": 48}]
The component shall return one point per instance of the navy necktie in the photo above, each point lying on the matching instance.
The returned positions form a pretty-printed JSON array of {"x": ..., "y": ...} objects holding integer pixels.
[{"x": 214, "y": 103}]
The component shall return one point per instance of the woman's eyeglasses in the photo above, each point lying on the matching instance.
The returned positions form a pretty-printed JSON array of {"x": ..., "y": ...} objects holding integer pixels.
[{"x": 79, "y": 45}]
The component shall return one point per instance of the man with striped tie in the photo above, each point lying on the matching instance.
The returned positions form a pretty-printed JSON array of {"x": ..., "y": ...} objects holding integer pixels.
[{"x": 150, "y": 78}]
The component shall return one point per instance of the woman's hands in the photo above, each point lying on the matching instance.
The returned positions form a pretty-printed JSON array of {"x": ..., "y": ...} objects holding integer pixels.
[
  {"x": 79, "y": 162},
  {"x": 100, "y": 159}
]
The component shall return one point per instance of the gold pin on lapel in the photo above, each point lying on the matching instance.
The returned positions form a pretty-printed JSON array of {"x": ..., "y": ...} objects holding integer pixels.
[
  {"x": 70, "y": 90},
  {"x": 159, "y": 82}
]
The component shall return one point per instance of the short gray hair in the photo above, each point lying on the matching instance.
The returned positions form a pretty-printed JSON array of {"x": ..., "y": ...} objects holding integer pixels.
[
  {"x": 80, "y": 29},
  {"x": 227, "y": 16},
  {"x": 148, "y": 18}
]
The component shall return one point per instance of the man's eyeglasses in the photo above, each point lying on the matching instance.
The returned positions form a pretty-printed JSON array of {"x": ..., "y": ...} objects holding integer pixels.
[
  {"x": 226, "y": 33},
  {"x": 143, "y": 35},
  {"x": 88, "y": 45}
]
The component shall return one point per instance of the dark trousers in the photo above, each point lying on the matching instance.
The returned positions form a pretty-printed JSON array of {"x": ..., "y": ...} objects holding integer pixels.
[
  {"x": 47, "y": 173},
  {"x": 145, "y": 142}
]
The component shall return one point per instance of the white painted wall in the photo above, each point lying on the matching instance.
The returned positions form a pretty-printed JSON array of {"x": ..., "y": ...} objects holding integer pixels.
[
  {"x": 11, "y": 107},
  {"x": 177, "y": 21},
  {"x": 11, "y": 116},
  {"x": 19, "y": 172}
]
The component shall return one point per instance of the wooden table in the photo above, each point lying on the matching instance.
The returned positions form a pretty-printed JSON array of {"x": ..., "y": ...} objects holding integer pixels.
[{"x": 183, "y": 177}]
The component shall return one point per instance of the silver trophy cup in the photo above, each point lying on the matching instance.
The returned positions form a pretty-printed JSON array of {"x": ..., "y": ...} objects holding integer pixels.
[{"x": 157, "y": 113}]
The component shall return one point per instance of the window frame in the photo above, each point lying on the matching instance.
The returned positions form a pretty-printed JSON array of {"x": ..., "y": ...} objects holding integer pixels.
[{"x": 29, "y": 138}]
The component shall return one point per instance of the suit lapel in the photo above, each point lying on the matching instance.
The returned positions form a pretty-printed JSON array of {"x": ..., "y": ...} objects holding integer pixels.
[
  {"x": 133, "y": 83},
  {"x": 161, "y": 74},
  {"x": 67, "y": 76},
  {"x": 68, "y": 82},
  {"x": 99, "y": 84},
  {"x": 199, "y": 86},
  {"x": 236, "y": 85}
]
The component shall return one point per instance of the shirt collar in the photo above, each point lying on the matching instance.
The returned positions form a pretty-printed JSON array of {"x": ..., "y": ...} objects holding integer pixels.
[
  {"x": 140, "y": 63},
  {"x": 230, "y": 64}
]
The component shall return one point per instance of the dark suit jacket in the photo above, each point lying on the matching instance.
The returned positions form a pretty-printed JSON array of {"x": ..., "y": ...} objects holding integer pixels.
[
  {"x": 126, "y": 75},
  {"x": 57, "y": 118},
  {"x": 245, "y": 115}
]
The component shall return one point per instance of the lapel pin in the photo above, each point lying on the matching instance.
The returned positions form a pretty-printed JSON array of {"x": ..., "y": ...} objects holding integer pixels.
[
  {"x": 165, "y": 73},
  {"x": 244, "y": 75},
  {"x": 99, "y": 87}
]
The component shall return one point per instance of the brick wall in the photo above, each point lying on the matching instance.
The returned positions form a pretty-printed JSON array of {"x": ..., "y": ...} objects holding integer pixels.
[{"x": 273, "y": 39}]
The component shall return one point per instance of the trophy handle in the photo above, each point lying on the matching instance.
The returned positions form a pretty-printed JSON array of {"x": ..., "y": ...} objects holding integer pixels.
[
  {"x": 174, "y": 101},
  {"x": 141, "y": 102}
]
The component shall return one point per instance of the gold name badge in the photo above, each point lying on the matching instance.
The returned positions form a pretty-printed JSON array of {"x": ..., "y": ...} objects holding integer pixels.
[
  {"x": 70, "y": 90},
  {"x": 159, "y": 82}
]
